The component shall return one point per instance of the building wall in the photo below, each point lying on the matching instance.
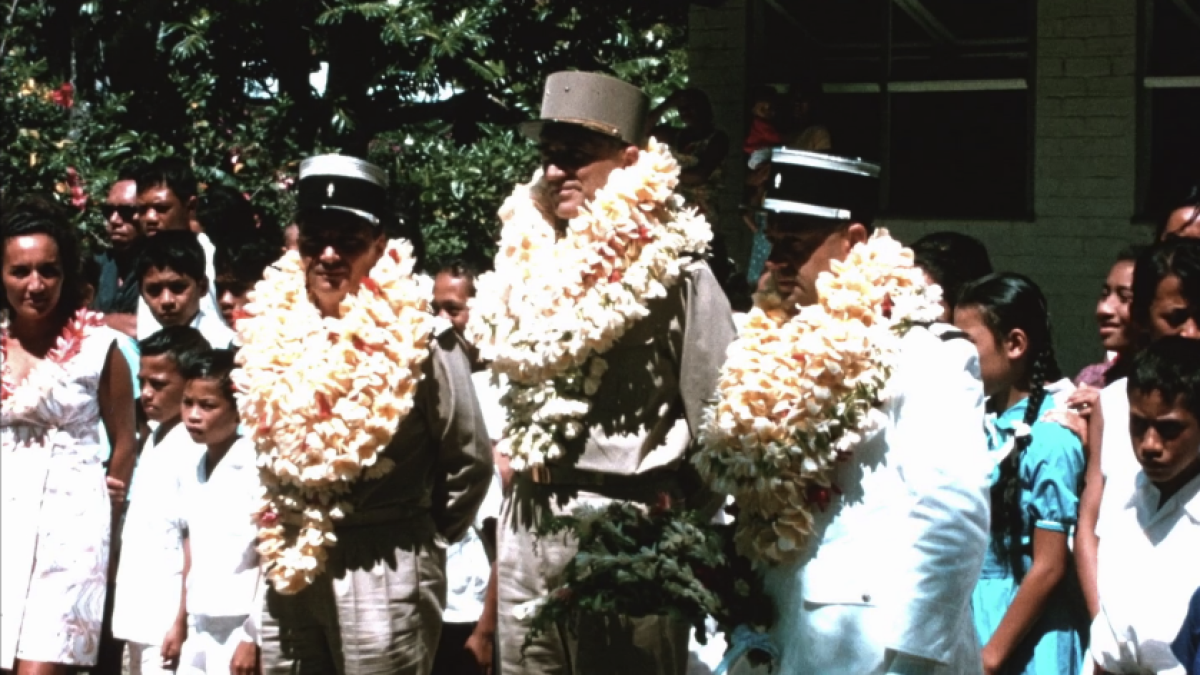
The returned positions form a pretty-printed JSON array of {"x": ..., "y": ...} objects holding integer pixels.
[{"x": 1084, "y": 156}]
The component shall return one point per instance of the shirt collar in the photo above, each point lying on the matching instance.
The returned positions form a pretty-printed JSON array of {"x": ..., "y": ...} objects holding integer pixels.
[{"x": 1145, "y": 499}]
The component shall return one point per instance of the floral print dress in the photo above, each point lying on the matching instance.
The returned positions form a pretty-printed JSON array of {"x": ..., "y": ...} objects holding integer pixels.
[{"x": 55, "y": 516}]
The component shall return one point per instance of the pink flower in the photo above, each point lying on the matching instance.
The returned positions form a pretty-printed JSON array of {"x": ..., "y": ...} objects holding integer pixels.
[{"x": 79, "y": 198}]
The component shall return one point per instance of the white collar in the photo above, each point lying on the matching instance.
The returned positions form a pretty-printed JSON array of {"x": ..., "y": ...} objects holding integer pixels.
[{"x": 1145, "y": 500}]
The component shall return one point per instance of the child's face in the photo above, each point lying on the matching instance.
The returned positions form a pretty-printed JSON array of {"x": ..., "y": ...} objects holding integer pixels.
[
  {"x": 173, "y": 298},
  {"x": 764, "y": 109},
  {"x": 995, "y": 366},
  {"x": 1171, "y": 313},
  {"x": 1166, "y": 438},
  {"x": 232, "y": 296},
  {"x": 162, "y": 387},
  {"x": 209, "y": 416}
]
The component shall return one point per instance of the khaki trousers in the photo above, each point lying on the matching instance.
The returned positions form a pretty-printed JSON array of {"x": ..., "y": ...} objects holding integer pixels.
[
  {"x": 377, "y": 610},
  {"x": 530, "y": 566}
]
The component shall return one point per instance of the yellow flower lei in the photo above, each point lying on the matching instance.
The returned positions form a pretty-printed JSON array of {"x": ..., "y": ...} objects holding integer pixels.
[
  {"x": 322, "y": 396},
  {"x": 555, "y": 303},
  {"x": 797, "y": 394}
]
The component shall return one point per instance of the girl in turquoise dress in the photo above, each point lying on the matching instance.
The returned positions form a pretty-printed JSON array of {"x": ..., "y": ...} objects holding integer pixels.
[{"x": 1027, "y": 606}]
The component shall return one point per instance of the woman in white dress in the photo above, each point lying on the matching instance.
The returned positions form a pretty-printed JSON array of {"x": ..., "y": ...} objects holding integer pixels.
[{"x": 62, "y": 374}]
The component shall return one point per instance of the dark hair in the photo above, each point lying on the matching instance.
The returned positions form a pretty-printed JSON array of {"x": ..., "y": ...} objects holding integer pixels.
[
  {"x": 32, "y": 215},
  {"x": 226, "y": 216},
  {"x": 129, "y": 172},
  {"x": 460, "y": 269},
  {"x": 1131, "y": 253},
  {"x": 178, "y": 343},
  {"x": 952, "y": 259},
  {"x": 212, "y": 364},
  {"x": 178, "y": 250},
  {"x": 1170, "y": 366},
  {"x": 699, "y": 99},
  {"x": 762, "y": 92},
  {"x": 172, "y": 172},
  {"x": 1009, "y": 301},
  {"x": 245, "y": 263},
  {"x": 1187, "y": 198},
  {"x": 89, "y": 271},
  {"x": 1175, "y": 257}
]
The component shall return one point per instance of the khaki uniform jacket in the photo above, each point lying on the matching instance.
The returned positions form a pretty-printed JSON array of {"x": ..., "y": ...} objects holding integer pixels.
[
  {"x": 378, "y": 607},
  {"x": 661, "y": 375}
]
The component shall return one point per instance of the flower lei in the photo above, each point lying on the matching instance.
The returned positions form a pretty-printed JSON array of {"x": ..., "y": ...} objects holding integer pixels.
[
  {"x": 555, "y": 304},
  {"x": 797, "y": 394},
  {"x": 322, "y": 397},
  {"x": 33, "y": 389}
]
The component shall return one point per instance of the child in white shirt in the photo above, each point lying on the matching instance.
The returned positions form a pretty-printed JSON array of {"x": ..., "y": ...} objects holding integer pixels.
[
  {"x": 149, "y": 575},
  {"x": 1149, "y": 542},
  {"x": 219, "y": 494}
]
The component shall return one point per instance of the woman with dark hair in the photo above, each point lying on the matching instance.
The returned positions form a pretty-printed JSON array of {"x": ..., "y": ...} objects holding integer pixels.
[
  {"x": 62, "y": 375},
  {"x": 1025, "y": 604}
]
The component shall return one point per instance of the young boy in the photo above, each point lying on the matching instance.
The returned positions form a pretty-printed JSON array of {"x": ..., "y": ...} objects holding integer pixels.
[
  {"x": 218, "y": 493},
  {"x": 1148, "y": 545},
  {"x": 239, "y": 268},
  {"x": 149, "y": 576},
  {"x": 173, "y": 281},
  {"x": 167, "y": 200}
]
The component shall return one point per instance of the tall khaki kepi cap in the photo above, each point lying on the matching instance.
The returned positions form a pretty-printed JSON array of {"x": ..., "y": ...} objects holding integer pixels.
[
  {"x": 342, "y": 183},
  {"x": 594, "y": 101}
]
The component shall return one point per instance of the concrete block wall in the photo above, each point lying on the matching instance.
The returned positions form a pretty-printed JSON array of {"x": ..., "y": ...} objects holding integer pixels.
[{"x": 1084, "y": 157}]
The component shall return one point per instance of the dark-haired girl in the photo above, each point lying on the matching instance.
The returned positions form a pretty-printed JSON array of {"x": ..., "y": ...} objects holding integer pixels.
[
  {"x": 1026, "y": 604},
  {"x": 221, "y": 578}
]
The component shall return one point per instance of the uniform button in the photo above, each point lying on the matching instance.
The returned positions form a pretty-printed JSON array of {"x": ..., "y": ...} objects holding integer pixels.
[{"x": 866, "y": 597}]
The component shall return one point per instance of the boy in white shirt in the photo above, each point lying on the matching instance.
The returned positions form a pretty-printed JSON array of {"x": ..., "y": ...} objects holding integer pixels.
[
  {"x": 1147, "y": 559},
  {"x": 220, "y": 492},
  {"x": 174, "y": 283},
  {"x": 149, "y": 575}
]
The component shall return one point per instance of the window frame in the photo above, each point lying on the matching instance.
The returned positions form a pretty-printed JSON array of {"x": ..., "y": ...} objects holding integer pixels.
[{"x": 885, "y": 86}]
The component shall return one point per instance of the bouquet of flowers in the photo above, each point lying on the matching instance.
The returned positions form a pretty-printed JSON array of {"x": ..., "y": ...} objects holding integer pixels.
[{"x": 639, "y": 562}]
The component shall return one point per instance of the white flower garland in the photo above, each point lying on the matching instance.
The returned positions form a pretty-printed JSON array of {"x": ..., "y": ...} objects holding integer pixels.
[
  {"x": 322, "y": 396},
  {"x": 798, "y": 393},
  {"x": 556, "y": 303}
]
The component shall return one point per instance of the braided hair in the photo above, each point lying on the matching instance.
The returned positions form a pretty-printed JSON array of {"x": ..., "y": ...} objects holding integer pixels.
[{"x": 1007, "y": 302}]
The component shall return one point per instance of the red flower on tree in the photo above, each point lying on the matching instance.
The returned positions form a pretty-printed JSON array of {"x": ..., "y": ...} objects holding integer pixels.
[{"x": 64, "y": 96}]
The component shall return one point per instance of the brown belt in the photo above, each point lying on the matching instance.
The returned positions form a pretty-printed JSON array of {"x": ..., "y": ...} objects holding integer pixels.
[{"x": 542, "y": 474}]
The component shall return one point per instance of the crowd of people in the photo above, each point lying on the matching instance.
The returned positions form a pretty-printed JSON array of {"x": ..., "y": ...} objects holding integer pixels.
[{"x": 227, "y": 449}]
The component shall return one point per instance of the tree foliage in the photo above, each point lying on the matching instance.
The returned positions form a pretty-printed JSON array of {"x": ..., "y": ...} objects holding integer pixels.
[{"x": 431, "y": 89}]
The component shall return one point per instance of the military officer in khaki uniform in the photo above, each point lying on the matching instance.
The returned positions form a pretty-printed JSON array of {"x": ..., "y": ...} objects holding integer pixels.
[
  {"x": 377, "y": 607},
  {"x": 643, "y": 419}
]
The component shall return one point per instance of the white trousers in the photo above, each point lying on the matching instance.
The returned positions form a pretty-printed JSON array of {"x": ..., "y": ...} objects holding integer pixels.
[
  {"x": 210, "y": 645},
  {"x": 146, "y": 659}
]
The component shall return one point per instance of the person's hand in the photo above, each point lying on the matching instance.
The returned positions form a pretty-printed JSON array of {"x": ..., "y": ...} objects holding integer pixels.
[
  {"x": 1084, "y": 400},
  {"x": 245, "y": 659},
  {"x": 172, "y": 645},
  {"x": 992, "y": 660},
  {"x": 116, "y": 491},
  {"x": 758, "y": 176},
  {"x": 1073, "y": 421},
  {"x": 480, "y": 645}
]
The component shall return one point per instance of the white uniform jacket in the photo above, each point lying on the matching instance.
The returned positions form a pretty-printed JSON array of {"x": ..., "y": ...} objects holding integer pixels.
[{"x": 885, "y": 584}]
